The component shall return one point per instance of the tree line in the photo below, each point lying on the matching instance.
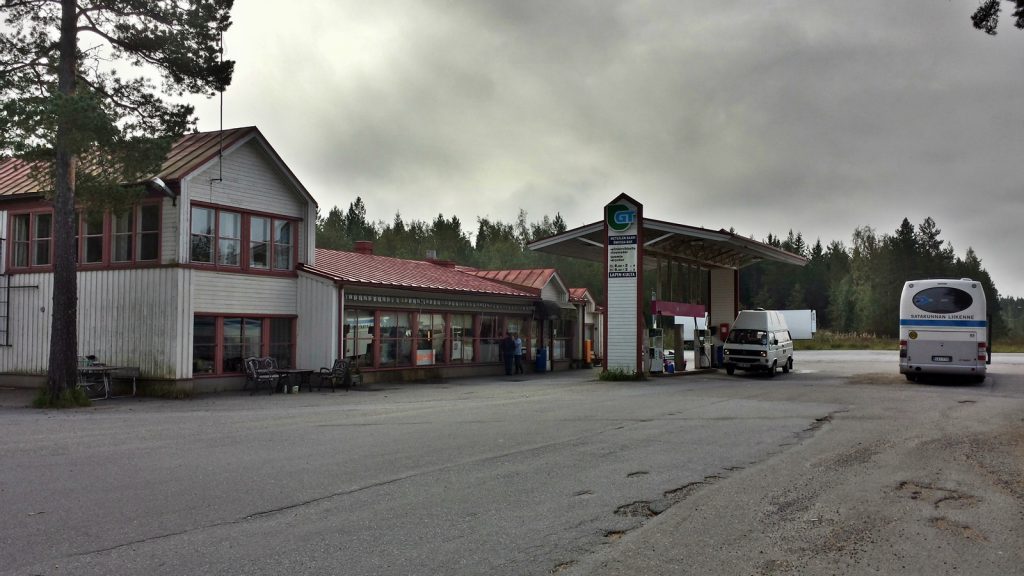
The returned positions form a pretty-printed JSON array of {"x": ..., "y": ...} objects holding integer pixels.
[
  {"x": 857, "y": 288},
  {"x": 854, "y": 288}
]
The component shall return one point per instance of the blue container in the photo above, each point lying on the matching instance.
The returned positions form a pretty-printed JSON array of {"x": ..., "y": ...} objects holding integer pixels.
[
  {"x": 721, "y": 355},
  {"x": 541, "y": 363}
]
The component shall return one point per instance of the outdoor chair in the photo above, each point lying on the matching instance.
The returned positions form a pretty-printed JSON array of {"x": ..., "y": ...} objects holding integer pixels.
[
  {"x": 337, "y": 374},
  {"x": 259, "y": 372}
]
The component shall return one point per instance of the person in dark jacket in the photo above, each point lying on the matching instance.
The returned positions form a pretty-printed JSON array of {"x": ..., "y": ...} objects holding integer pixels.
[{"x": 508, "y": 351}]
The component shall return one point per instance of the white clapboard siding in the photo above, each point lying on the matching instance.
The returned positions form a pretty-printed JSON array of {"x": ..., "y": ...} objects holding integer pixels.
[
  {"x": 553, "y": 291},
  {"x": 318, "y": 322},
  {"x": 247, "y": 178},
  {"x": 622, "y": 345},
  {"x": 29, "y": 325},
  {"x": 170, "y": 231},
  {"x": 125, "y": 317},
  {"x": 222, "y": 293},
  {"x": 250, "y": 180}
]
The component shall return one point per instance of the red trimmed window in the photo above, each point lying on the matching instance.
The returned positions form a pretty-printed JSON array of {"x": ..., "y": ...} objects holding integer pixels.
[
  {"x": 217, "y": 238},
  {"x": 126, "y": 237},
  {"x": 31, "y": 240},
  {"x": 220, "y": 344}
]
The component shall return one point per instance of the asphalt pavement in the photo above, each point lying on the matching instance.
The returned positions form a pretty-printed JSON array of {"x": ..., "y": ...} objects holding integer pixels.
[{"x": 542, "y": 474}]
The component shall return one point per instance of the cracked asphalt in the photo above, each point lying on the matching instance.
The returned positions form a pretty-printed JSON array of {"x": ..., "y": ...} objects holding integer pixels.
[{"x": 838, "y": 468}]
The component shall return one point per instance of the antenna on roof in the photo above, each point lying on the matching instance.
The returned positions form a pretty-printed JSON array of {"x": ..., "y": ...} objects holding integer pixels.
[{"x": 220, "y": 135}]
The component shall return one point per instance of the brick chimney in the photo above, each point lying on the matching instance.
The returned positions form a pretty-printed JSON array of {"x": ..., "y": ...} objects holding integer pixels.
[{"x": 364, "y": 247}]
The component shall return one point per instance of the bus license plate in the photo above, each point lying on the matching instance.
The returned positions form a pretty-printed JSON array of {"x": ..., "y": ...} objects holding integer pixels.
[{"x": 942, "y": 358}]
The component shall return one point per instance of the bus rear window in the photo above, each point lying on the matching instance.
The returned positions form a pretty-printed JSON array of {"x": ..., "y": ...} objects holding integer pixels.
[{"x": 943, "y": 300}]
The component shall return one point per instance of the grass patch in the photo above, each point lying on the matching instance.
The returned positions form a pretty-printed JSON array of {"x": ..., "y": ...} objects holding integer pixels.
[
  {"x": 167, "y": 391},
  {"x": 620, "y": 375},
  {"x": 828, "y": 340},
  {"x": 71, "y": 398}
]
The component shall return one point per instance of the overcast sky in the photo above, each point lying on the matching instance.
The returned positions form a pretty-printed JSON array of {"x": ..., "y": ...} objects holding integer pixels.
[{"x": 763, "y": 116}]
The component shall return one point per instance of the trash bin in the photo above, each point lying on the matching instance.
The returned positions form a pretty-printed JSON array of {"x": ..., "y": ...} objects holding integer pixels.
[{"x": 542, "y": 360}]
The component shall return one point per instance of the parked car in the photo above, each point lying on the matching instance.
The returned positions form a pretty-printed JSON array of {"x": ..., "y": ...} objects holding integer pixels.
[{"x": 759, "y": 340}]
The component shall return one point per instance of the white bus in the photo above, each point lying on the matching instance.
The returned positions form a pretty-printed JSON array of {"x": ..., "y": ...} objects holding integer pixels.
[{"x": 944, "y": 329}]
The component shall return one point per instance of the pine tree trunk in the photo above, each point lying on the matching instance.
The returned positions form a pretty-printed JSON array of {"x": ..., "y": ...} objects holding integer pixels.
[{"x": 64, "y": 327}]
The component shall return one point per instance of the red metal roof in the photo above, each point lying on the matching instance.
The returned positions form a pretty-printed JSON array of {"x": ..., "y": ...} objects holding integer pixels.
[
  {"x": 189, "y": 153},
  {"x": 534, "y": 279},
  {"x": 579, "y": 294},
  {"x": 15, "y": 177},
  {"x": 384, "y": 271}
]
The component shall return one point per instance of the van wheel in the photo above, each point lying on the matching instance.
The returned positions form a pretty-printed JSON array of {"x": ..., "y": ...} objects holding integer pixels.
[
  {"x": 773, "y": 369},
  {"x": 730, "y": 369},
  {"x": 911, "y": 377},
  {"x": 787, "y": 366}
]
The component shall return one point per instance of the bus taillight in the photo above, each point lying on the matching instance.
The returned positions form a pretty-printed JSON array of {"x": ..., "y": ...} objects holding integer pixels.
[
  {"x": 982, "y": 351},
  {"x": 903, "y": 348}
]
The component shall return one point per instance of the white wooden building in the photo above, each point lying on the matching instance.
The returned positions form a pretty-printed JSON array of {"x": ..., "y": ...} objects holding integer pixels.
[{"x": 202, "y": 272}]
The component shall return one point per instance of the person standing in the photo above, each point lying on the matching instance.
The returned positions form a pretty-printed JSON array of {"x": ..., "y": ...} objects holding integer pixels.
[
  {"x": 508, "y": 350},
  {"x": 518, "y": 354}
]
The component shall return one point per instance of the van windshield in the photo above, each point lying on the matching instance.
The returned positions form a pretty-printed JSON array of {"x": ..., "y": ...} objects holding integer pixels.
[{"x": 748, "y": 336}]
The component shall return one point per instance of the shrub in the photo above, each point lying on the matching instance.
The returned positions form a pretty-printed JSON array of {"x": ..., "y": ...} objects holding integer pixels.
[{"x": 620, "y": 374}]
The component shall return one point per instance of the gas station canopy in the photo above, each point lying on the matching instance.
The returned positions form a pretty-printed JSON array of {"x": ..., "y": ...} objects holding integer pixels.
[{"x": 694, "y": 246}]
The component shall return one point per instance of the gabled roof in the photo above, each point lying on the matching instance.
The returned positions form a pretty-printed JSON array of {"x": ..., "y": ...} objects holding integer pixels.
[
  {"x": 580, "y": 295},
  {"x": 189, "y": 153},
  {"x": 533, "y": 279},
  {"x": 386, "y": 272}
]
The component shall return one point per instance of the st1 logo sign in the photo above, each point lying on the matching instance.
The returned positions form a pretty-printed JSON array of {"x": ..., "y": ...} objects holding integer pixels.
[{"x": 620, "y": 217}]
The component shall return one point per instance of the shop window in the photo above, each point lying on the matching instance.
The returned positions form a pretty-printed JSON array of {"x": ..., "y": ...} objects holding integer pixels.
[
  {"x": 430, "y": 344},
  {"x": 395, "y": 339},
  {"x": 281, "y": 342},
  {"x": 490, "y": 339},
  {"x": 243, "y": 338},
  {"x": 563, "y": 339},
  {"x": 358, "y": 336},
  {"x": 220, "y": 344},
  {"x": 204, "y": 345},
  {"x": 462, "y": 338}
]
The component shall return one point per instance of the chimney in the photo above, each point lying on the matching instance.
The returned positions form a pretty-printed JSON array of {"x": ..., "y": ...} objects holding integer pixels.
[{"x": 364, "y": 247}]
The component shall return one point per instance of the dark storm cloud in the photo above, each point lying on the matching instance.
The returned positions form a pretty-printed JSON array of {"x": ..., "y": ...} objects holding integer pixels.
[{"x": 762, "y": 116}]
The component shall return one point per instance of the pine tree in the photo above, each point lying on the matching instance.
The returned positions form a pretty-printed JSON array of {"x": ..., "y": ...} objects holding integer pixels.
[{"x": 91, "y": 119}]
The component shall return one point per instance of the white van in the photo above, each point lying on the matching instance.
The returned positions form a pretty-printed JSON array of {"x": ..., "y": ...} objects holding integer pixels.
[{"x": 758, "y": 340}]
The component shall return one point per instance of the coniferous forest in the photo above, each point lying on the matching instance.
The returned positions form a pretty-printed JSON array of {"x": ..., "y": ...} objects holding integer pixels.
[{"x": 854, "y": 287}]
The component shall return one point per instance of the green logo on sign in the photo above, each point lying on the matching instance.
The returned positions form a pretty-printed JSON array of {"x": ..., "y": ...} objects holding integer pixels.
[{"x": 620, "y": 217}]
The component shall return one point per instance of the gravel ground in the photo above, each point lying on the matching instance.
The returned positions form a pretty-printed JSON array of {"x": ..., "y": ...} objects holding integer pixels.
[{"x": 910, "y": 480}]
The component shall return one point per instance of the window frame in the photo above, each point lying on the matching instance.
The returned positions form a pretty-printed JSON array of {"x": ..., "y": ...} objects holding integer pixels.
[
  {"x": 106, "y": 236},
  {"x": 246, "y": 242},
  {"x": 266, "y": 341}
]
